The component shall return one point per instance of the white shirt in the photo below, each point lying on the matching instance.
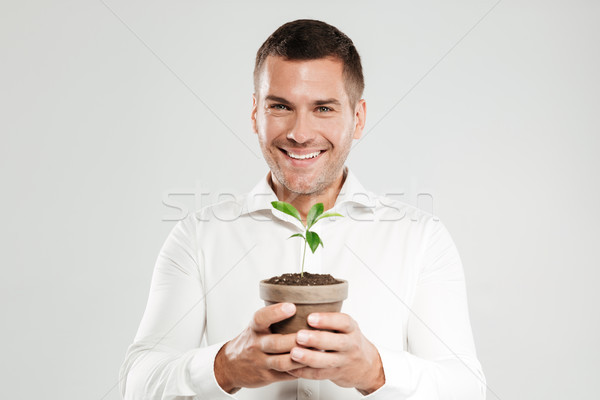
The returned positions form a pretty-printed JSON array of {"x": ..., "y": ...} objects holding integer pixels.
[{"x": 406, "y": 292}]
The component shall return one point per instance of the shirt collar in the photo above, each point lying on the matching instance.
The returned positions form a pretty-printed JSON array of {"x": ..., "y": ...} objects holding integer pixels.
[{"x": 352, "y": 191}]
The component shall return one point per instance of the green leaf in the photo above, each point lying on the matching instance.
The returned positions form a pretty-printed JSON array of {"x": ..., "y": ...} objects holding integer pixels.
[
  {"x": 297, "y": 235},
  {"x": 313, "y": 240},
  {"x": 313, "y": 213},
  {"x": 328, "y": 215},
  {"x": 287, "y": 208}
]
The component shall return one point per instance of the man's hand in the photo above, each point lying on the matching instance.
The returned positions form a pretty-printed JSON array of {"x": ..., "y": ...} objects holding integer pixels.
[
  {"x": 256, "y": 357},
  {"x": 349, "y": 359}
]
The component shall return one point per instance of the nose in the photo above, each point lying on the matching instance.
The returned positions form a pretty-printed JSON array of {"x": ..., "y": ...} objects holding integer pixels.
[{"x": 301, "y": 130}]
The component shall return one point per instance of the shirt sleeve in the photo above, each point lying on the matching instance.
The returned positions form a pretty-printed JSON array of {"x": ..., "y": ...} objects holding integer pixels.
[
  {"x": 441, "y": 362},
  {"x": 165, "y": 360}
]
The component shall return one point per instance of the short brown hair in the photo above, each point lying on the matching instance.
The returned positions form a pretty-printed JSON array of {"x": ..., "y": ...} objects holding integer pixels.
[{"x": 309, "y": 39}]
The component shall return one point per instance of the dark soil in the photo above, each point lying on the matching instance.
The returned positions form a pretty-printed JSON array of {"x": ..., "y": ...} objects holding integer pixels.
[{"x": 307, "y": 280}]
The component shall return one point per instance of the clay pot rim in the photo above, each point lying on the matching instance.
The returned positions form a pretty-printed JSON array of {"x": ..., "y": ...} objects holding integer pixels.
[{"x": 304, "y": 294}]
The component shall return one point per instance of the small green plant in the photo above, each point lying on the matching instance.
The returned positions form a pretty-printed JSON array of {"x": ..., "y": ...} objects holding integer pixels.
[{"x": 314, "y": 215}]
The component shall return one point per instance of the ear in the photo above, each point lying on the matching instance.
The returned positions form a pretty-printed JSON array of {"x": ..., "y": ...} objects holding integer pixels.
[
  {"x": 360, "y": 117},
  {"x": 253, "y": 114}
]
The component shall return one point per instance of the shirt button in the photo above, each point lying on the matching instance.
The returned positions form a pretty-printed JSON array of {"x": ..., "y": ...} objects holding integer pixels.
[{"x": 307, "y": 393}]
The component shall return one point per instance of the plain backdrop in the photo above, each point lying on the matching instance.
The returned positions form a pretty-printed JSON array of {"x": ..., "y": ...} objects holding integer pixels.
[{"x": 110, "y": 109}]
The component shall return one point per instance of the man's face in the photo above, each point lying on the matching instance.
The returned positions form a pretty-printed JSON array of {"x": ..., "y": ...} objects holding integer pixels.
[{"x": 301, "y": 109}]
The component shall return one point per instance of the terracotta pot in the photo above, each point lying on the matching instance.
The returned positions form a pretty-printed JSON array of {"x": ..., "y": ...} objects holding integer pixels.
[{"x": 308, "y": 299}]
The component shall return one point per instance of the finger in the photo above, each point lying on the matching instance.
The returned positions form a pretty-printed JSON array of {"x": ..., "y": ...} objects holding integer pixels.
[
  {"x": 282, "y": 376},
  {"x": 333, "y": 321},
  {"x": 318, "y": 359},
  {"x": 323, "y": 340},
  {"x": 277, "y": 344},
  {"x": 268, "y": 315},
  {"x": 314, "y": 373},
  {"x": 282, "y": 363}
]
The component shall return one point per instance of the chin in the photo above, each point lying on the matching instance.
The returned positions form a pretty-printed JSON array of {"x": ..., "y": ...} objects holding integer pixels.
[
  {"x": 296, "y": 187},
  {"x": 301, "y": 190},
  {"x": 303, "y": 186}
]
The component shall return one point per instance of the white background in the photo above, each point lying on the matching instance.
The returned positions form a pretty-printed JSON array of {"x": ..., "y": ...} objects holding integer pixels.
[{"x": 497, "y": 118}]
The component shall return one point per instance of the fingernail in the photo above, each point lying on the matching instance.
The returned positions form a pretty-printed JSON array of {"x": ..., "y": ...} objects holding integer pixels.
[
  {"x": 288, "y": 308},
  {"x": 313, "y": 319},
  {"x": 297, "y": 354},
  {"x": 302, "y": 337}
]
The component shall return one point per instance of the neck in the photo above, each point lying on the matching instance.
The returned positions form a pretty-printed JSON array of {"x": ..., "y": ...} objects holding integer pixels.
[{"x": 303, "y": 202}]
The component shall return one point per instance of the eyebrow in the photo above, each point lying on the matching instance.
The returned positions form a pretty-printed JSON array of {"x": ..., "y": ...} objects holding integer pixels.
[
  {"x": 277, "y": 99},
  {"x": 316, "y": 102},
  {"x": 327, "y": 101}
]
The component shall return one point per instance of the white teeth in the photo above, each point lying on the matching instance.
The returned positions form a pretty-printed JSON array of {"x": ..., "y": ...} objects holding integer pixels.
[{"x": 304, "y": 157}]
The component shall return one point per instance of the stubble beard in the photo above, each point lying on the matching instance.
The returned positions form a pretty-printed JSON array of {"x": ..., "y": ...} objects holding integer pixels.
[{"x": 304, "y": 186}]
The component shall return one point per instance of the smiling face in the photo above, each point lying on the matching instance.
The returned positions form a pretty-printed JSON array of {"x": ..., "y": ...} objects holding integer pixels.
[{"x": 305, "y": 122}]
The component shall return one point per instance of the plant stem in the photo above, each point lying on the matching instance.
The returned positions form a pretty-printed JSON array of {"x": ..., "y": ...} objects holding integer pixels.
[{"x": 303, "y": 254}]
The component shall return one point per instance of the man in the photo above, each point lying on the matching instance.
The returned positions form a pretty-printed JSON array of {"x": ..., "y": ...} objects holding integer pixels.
[{"x": 405, "y": 331}]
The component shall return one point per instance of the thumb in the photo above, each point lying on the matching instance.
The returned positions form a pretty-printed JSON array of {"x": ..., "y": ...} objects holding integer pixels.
[{"x": 268, "y": 315}]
